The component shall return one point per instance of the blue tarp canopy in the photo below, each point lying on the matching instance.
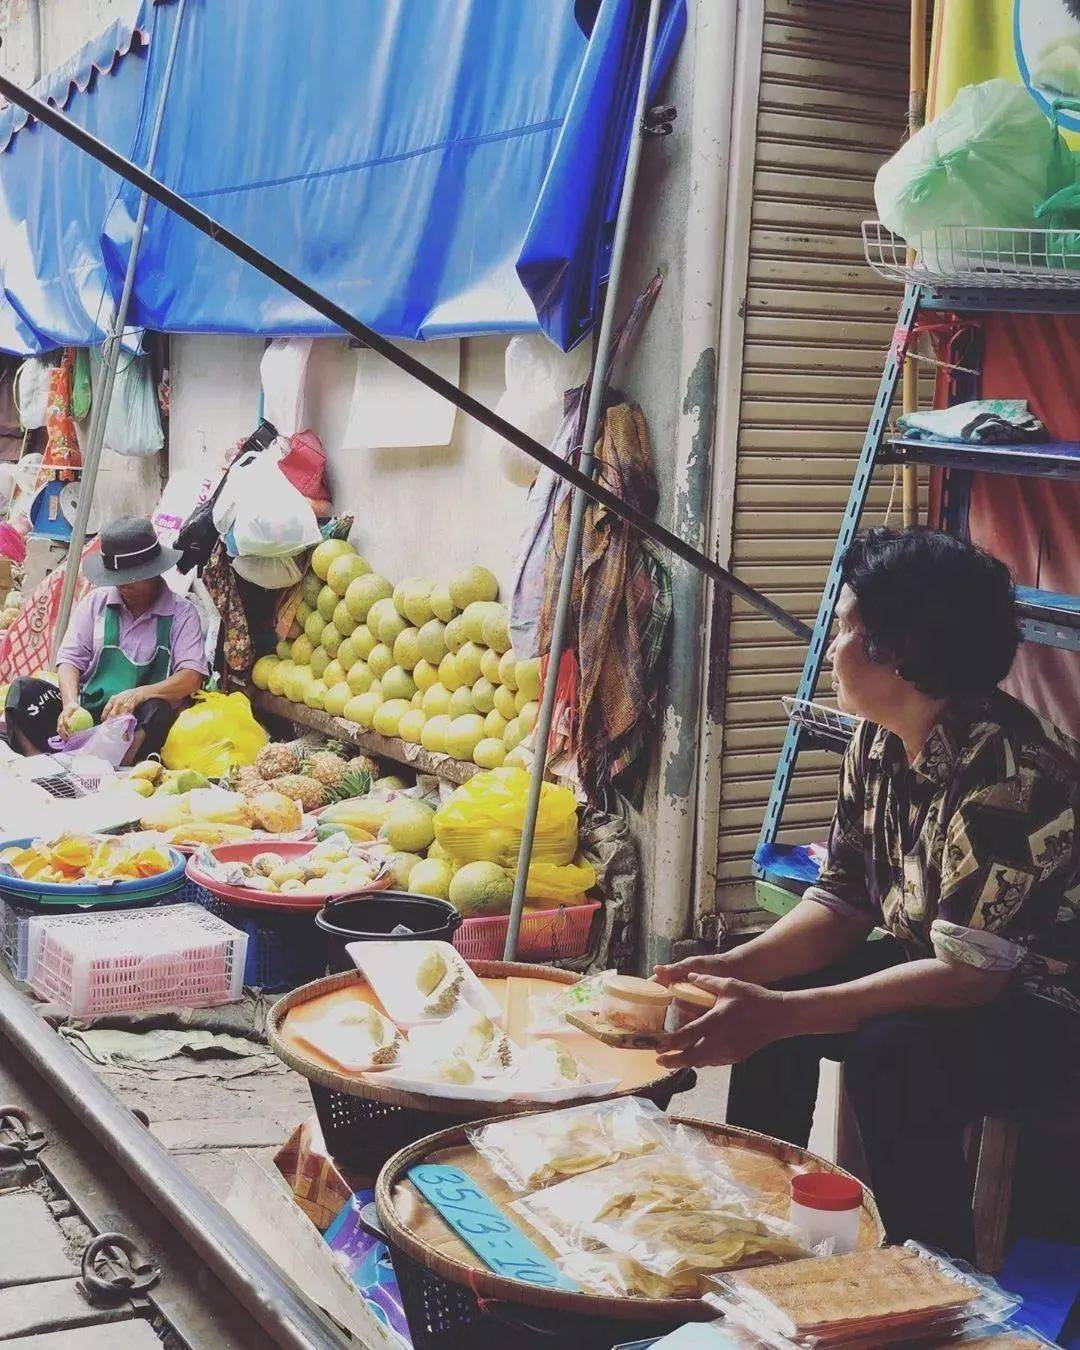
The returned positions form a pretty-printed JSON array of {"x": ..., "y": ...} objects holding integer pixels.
[
  {"x": 54, "y": 199},
  {"x": 437, "y": 167}
]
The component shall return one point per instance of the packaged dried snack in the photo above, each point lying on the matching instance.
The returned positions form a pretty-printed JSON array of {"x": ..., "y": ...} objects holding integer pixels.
[{"x": 528, "y": 1152}]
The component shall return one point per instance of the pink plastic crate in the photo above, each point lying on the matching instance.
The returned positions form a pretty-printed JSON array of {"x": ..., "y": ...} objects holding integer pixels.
[
  {"x": 553, "y": 935},
  {"x": 137, "y": 959}
]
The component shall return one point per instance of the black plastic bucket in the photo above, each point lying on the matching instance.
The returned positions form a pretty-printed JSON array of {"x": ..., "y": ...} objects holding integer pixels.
[{"x": 373, "y": 918}]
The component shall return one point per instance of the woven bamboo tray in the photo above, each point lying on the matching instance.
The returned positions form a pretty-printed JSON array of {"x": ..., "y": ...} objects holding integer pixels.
[
  {"x": 641, "y": 1074},
  {"x": 417, "y": 1232}
]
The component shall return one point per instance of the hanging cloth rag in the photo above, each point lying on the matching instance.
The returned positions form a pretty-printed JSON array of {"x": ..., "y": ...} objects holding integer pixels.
[
  {"x": 981, "y": 421},
  {"x": 620, "y": 616},
  {"x": 220, "y": 581},
  {"x": 62, "y": 454}
]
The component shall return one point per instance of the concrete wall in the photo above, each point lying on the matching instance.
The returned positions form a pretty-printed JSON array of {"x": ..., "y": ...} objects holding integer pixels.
[{"x": 428, "y": 511}]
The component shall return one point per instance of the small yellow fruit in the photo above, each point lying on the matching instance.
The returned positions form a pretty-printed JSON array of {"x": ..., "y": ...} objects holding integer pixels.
[
  {"x": 432, "y": 641},
  {"x": 334, "y": 673},
  {"x": 411, "y": 725},
  {"x": 494, "y": 724},
  {"x": 302, "y": 649},
  {"x": 319, "y": 661},
  {"x": 275, "y": 682},
  {"x": 343, "y": 571},
  {"x": 142, "y": 786},
  {"x": 455, "y": 635},
  {"x": 449, "y": 677},
  {"x": 483, "y": 695},
  {"x": 507, "y": 671},
  {"x": 527, "y": 718},
  {"x": 364, "y": 592},
  {"x": 347, "y": 653},
  {"x": 280, "y": 876},
  {"x": 385, "y": 622},
  {"x": 433, "y": 734},
  {"x": 441, "y": 604},
  {"x": 436, "y": 700},
  {"x": 521, "y": 698},
  {"x": 364, "y": 640},
  {"x": 489, "y": 753},
  {"x": 413, "y": 600},
  {"x": 337, "y": 699},
  {"x": 527, "y": 674},
  {"x": 468, "y": 659},
  {"x": 463, "y": 735},
  {"x": 496, "y": 631},
  {"x": 504, "y": 702},
  {"x": 425, "y": 675},
  {"x": 518, "y": 758},
  {"x": 331, "y": 639},
  {"x": 260, "y": 671},
  {"x": 407, "y": 648},
  {"x": 397, "y": 683},
  {"x": 380, "y": 660},
  {"x": 327, "y": 603},
  {"x": 359, "y": 677},
  {"x": 472, "y": 583},
  {"x": 313, "y": 628},
  {"x": 343, "y": 619},
  {"x": 513, "y": 734},
  {"x": 326, "y": 552},
  {"x": 314, "y": 694},
  {"x": 476, "y": 615},
  {"x": 432, "y": 876},
  {"x": 461, "y": 702},
  {"x": 388, "y": 715},
  {"x": 489, "y": 666},
  {"x": 362, "y": 709}
]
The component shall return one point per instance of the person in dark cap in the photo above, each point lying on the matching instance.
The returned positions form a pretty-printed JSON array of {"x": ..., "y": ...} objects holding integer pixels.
[{"x": 132, "y": 646}]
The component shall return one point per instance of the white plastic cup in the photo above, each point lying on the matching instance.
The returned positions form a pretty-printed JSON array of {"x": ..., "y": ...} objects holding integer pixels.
[{"x": 827, "y": 1207}]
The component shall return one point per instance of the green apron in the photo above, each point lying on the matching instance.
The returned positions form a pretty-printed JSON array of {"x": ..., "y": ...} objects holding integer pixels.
[{"x": 115, "y": 673}]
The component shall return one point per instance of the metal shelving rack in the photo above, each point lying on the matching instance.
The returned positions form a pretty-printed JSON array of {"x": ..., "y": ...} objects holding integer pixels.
[{"x": 975, "y": 271}]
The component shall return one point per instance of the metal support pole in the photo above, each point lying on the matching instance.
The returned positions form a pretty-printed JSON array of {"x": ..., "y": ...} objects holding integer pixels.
[
  {"x": 111, "y": 360},
  {"x": 597, "y": 391},
  {"x": 348, "y": 323},
  {"x": 916, "y": 117}
]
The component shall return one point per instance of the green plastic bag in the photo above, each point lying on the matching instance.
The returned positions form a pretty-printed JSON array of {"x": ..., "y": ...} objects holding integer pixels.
[
  {"x": 988, "y": 160},
  {"x": 217, "y": 734},
  {"x": 80, "y": 385}
]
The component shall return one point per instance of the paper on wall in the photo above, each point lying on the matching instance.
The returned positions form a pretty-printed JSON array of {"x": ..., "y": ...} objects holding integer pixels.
[{"x": 390, "y": 409}]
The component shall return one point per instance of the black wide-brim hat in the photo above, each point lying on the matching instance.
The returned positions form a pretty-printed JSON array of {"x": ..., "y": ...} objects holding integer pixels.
[{"x": 129, "y": 551}]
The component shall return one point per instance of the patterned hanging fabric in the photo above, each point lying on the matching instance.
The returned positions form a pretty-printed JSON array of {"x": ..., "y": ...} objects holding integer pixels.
[{"x": 62, "y": 454}]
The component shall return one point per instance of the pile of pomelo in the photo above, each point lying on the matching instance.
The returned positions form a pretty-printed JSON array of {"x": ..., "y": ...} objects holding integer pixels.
[{"x": 428, "y": 662}]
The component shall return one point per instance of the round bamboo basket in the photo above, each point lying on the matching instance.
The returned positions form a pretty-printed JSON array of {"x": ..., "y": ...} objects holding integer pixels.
[
  {"x": 413, "y": 1228},
  {"x": 665, "y": 1085}
]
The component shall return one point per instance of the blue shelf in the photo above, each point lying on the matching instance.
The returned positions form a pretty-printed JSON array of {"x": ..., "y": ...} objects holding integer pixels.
[
  {"x": 1049, "y": 619},
  {"x": 1001, "y": 300},
  {"x": 1043, "y": 459},
  {"x": 788, "y": 866}
]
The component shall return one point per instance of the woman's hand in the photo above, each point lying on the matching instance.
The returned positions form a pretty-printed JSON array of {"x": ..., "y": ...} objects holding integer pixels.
[
  {"x": 63, "y": 722},
  {"x": 716, "y": 965},
  {"x": 744, "y": 1019},
  {"x": 121, "y": 704}
]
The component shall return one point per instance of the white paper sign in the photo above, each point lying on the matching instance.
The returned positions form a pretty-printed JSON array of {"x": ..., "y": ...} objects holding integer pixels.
[{"x": 390, "y": 409}]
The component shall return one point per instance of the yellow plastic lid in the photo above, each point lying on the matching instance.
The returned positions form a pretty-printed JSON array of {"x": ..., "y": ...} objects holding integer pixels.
[{"x": 636, "y": 990}]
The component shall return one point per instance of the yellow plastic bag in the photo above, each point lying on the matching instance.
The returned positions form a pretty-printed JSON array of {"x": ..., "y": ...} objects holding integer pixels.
[
  {"x": 565, "y": 885},
  {"x": 218, "y": 734},
  {"x": 483, "y": 819}
]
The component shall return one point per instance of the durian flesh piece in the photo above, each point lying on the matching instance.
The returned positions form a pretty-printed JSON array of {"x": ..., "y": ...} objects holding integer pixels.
[
  {"x": 430, "y": 973},
  {"x": 445, "y": 998},
  {"x": 453, "y": 1069}
]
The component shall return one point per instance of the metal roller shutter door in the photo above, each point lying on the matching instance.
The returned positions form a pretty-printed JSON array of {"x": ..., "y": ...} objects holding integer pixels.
[{"x": 832, "y": 104}]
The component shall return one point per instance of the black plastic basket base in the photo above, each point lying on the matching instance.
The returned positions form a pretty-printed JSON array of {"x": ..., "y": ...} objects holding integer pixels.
[{"x": 362, "y": 1134}]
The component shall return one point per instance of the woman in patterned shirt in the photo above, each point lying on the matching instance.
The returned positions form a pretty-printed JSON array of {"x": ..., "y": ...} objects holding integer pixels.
[{"x": 956, "y": 832}]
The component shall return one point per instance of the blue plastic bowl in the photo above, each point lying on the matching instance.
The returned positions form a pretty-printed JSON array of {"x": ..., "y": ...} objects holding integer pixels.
[{"x": 27, "y": 891}]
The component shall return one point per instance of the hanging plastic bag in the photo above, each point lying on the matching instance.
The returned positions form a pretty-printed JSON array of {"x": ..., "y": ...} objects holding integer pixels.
[
  {"x": 80, "y": 385},
  {"x": 32, "y": 392},
  {"x": 265, "y": 514},
  {"x": 133, "y": 425},
  {"x": 989, "y": 159},
  {"x": 217, "y": 734},
  {"x": 271, "y": 574},
  {"x": 109, "y": 741},
  {"x": 560, "y": 884},
  {"x": 482, "y": 820}
]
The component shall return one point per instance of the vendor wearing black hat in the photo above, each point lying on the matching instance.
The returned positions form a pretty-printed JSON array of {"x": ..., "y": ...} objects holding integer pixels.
[{"x": 132, "y": 646}]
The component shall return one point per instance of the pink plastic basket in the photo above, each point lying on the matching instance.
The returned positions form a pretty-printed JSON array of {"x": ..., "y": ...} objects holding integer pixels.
[
  {"x": 121, "y": 961},
  {"x": 551, "y": 935}
]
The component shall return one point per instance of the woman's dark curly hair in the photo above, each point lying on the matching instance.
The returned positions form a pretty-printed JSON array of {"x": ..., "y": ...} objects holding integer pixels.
[{"x": 940, "y": 611}]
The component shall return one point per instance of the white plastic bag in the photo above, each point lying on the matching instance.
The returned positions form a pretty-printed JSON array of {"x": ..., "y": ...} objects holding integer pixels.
[
  {"x": 32, "y": 392},
  {"x": 537, "y": 376},
  {"x": 265, "y": 514},
  {"x": 133, "y": 424}
]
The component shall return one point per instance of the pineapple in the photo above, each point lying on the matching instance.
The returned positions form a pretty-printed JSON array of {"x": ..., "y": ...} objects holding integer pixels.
[
  {"x": 361, "y": 764},
  {"x": 309, "y": 792},
  {"x": 274, "y": 760},
  {"x": 328, "y": 768},
  {"x": 248, "y": 781}
]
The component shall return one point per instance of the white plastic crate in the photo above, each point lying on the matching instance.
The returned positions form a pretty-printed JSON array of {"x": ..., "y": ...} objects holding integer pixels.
[{"x": 136, "y": 959}]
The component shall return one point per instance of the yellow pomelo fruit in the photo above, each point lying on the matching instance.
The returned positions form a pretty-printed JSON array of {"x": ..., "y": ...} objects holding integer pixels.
[
  {"x": 319, "y": 661},
  {"x": 380, "y": 660},
  {"x": 407, "y": 647},
  {"x": 327, "y": 603},
  {"x": 275, "y": 680},
  {"x": 504, "y": 703},
  {"x": 518, "y": 758},
  {"x": 521, "y": 699},
  {"x": 313, "y": 629},
  {"x": 310, "y": 588},
  {"x": 343, "y": 571},
  {"x": 496, "y": 632},
  {"x": 425, "y": 674},
  {"x": 385, "y": 622},
  {"x": 494, "y": 724},
  {"x": 489, "y": 753},
  {"x": 463, "y": 735},
  {"x": 303, "y": 609},
  {"x": 512, "y": 736},
  {"x": 337, "y": 698},
  {"x": 483, "y": 695},
  {"x": 359, "y": 677},
  {"x": 461, "y": 701},
  {"x": 432, "y": 642},
  {"x": 417, "y": 700},
  {"x": 364, "y": 592},
  {"x": 455, "y": 635},
  {"x": 433, "y": 734},
  {"x": 364, "y": 640},
  {"x": 527, "y": 718},
  {"x": 432, "y": 876},
  {"x": 260, "y": 671},
  {"x": 489, "y": 666},
  {"x": 343, "y": 619},
  {"x": 362, "y": 709},
  {"x": 468, "y": 659},
  {"x": 477, "y": 614},
  {"x": 479, "y": 889},
  {"x": 296, "y": 684},
  {"x": 326, "y": 552},
  {"x": 507, "y": 671},
  {"x": 331, "y": 639},
  {"x": 472, "y": 583},
  {"x": 527, "y": 674},
  {"x": 301, "y": 650},
  {"x": 413, "y": 600},
  {"x": 436, "y": 700},
  {"x": 334, "y": 673},
  {"x": 410, "y": 726},
  {"x": 441, "y": 604},
  {"x": 397, "y": 683},
  {"x": 448, "y": 673},
  {"x": 347, "y": 652},
  {"x": 284, "y": 651},
  {"x": 314, "y": 695},
  {"x": 388, "y": 715}
]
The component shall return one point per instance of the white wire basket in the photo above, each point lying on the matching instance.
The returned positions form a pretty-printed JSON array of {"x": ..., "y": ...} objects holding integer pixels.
[
  {"x": 827, "y": 723},
  {"x": 975, "y": 257}
]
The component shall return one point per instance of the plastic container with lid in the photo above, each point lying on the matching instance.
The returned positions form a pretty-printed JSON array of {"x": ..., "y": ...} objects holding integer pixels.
[
  {"x": 688, "y": 1004},
  {"x": 634, "y": 1004},
  {"x": 826, "y": 1207}
]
